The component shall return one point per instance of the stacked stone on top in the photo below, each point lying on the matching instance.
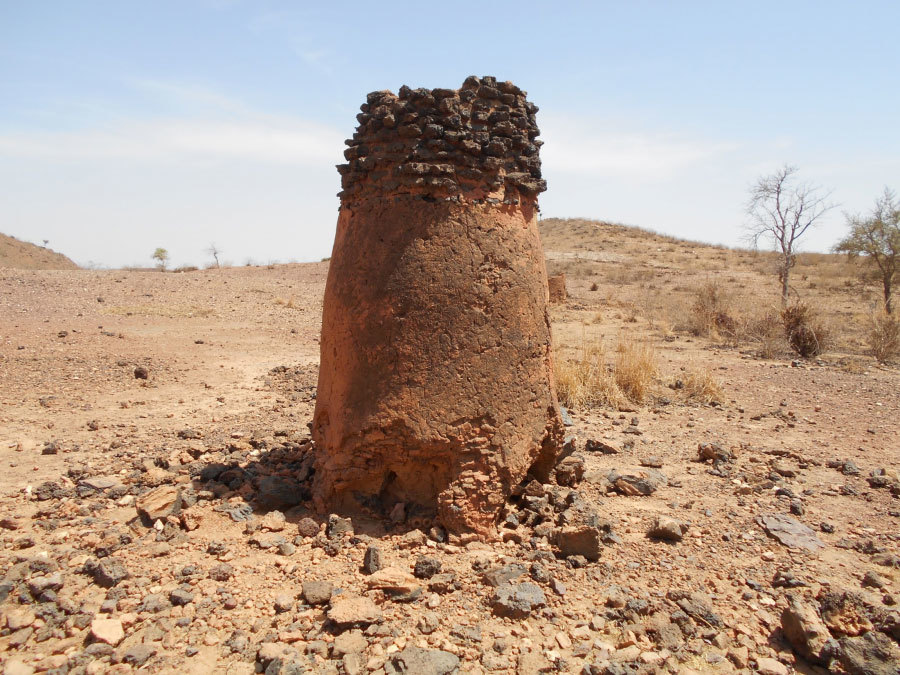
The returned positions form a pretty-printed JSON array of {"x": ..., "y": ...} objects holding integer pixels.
[{"x": 478, "y": 143}]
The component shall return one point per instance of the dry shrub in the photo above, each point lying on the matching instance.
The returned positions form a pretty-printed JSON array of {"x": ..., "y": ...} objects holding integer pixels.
[
  {"x": 635, "y": 368},
  {"x": 805, "y": 332},
  {"x": 711, "y": 313},
  {"x": 767, "y": 333},
  {"x": 589, "y": 380},
  {"x": 700, "y": 385},
  {"x": 884, "y": 336}
]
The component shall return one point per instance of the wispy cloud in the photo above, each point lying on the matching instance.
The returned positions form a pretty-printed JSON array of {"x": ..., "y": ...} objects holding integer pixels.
[
  {"x": 302, "y": 30},
  {"x": 206, "y": 125},
  {"x": 285, "y": 142},
  {"x": 187, "y": 95},
  {"x": 591, "y": 146}
]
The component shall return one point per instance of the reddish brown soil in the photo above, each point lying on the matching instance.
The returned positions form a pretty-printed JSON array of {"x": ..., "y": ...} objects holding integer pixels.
[{"x": 69, "y": 346}]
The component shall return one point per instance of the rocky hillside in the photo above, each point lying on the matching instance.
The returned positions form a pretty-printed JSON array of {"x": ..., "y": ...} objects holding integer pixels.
[{"x": 18, "y": 254}]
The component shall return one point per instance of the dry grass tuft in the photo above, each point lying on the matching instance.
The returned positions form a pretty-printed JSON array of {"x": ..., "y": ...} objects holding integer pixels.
[
  {"x": 884, "y": 336},
  {"x": 711, "y": 313},
  {"x": 767, "y": 333},
  {"x": 591, "y": 380},
  {"x": 635, "y": 369},
  {"x": 587, "y": 380},
  {"x": 805, "y": 332},
  {"x": 289, "y": 302},
  {"x": 701, "y": 386}
]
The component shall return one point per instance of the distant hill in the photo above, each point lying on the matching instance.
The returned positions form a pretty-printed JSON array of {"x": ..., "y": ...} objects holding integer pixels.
[{"x": 22, "y": 255}]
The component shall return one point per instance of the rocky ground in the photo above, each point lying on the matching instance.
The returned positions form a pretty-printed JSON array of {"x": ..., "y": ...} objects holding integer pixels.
[{"x": 156, "y": 455}]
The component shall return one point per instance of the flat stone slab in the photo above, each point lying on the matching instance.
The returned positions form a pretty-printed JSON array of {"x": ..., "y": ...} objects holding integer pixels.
[
  {"x": 354, "y": 612},
  {"x": 790, "y": 532}
]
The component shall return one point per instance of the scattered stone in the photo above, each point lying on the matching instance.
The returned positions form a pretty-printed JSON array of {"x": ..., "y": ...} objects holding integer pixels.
[
  {"x": 428, "y": 623},
  {"x": 417, "y": 661},
  {"x": 349, "y": 642},
  {"x": 307, "y": 527},
  {"x": 636, "y": 483},
  {"x": 782, "y": 468},
  {"x": 558, "y": 587},
  {"x": 785, "y": 578},
  {"x": 739, "y": 656},
  {"x": 276, "y": 493},
  {"x": 443, "y": 583},
  {"x": 273, "y": 521},
  {"x": 353, "y": 664},
  {"x": 767, "y": 666},
  {"x": 19, "y": 618},
  {"x": 697, "y": 606},
  {"x": 10, "y": 523},
  {"x": 107, "y": 631},
  {"x": 317, "y": 592},
  {"x": 652, "y": 462},
  {"x": 790, "y": 532},
  {"x": 372, "y": 560},
  {"x": 844, "y": 612},
  {"x": 398, "y": 583},
  {"x": 570, "y": 471},
  {"x": 221, "y": 572},
  {"x": 16, "y": 667},
  {"x": 426, "y": 567},
  {"x": 714, "y": 452},
  {"x": 158, "y": 503},
  {"x": 266, "y": 540},
  {"x": 138, "y": 655},
  {"x": 153, "y": 603},
  {"x": 804, "y": 629},
  {"x": 584, "y": 541},
  {"x": 284, "y": 602},
  {"x": 667, "y": 528},
  {"x": 873, "y": 580},
  {"x": 141, "y": 373},
  {"x": 180, "y": 596},
  {"x": 871, "y": 654},
  {"x": 497, "y": 576},
  {"x": 107, "y": 572},
  {"x": 516, "y": 601},
  {"x": 338, "y": 527},
  {"x": 354, "y": 612},
  {"x": 886, "y": 559},
  {"x": 600, "y": 446}
]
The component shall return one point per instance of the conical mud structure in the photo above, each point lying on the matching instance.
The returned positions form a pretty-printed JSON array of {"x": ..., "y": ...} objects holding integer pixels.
[{"x": 435, "y": 384}]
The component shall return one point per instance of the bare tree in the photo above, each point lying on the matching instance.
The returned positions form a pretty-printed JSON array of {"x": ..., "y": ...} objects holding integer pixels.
[
  {"x": 783, "y": 209},
  {"x": 878, "y": 238},
  {"x": 214, "y": 251}
]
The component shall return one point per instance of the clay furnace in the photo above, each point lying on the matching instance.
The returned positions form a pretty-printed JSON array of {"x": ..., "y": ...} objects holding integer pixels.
[{"x": 435, "y": 383}]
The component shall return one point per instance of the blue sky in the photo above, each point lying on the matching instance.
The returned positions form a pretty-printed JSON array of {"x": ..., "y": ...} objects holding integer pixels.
[{"x": 125, "y": 126}]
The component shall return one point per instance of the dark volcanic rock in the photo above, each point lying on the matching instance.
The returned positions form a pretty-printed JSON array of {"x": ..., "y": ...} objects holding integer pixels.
[
  {"x": 516, "y": 601},
  {"x": 416, "y": 661},
  {"x": 278, "y": 493},
  {"x": 107, "y": 572}
]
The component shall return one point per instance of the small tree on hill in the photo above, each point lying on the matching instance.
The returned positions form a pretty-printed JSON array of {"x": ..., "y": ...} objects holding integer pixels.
[
  {"x": 878, "y": 238},
  {"x": 782, "y": 209},
  {"x": 161, "y": 256},
  {"x": 214, "y": 251}
]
